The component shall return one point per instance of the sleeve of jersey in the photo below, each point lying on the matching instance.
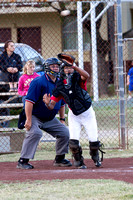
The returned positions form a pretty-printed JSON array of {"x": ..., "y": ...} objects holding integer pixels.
[
  {"x": 56, "y": 99},
  {"x": 34, "y": 92},
  {"x": 83, "y": 85}
]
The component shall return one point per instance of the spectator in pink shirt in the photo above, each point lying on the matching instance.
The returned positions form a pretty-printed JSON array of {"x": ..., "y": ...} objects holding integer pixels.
[{"x": 26, "y": 78}]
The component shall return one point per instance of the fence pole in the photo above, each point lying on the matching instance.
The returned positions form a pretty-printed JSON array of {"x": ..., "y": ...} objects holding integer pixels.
[
  {"x": 94, "y": 53},
  {"x": 80, "y": 34},
  {"x": 121, "y": 74}
]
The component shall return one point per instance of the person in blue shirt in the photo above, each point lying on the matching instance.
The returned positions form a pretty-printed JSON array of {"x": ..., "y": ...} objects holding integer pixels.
[
  {"x": 38, "y": 117},
  {"x": 130, "y": 81}
]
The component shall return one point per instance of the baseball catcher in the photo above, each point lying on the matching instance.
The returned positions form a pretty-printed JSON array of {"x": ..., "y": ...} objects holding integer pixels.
[{"x": 72, "y": 88}]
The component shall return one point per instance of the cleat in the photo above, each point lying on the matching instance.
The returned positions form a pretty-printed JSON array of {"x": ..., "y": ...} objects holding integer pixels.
[
  {"x": 24, "y": 166},
  {"x": 82, "y": 167},
  {"x": 98, "y": 164},
  {"x": 95, "y": 147},
  {"x": 77, "y": 163},
  {"x": 80, "y": 164},
  {"x": 63, "y": 163}
]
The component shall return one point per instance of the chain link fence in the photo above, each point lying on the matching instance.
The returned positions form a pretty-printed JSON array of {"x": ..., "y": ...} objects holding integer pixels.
[
  {"x": 128, "y": 58},
  {"x": 89, "y": 33}
]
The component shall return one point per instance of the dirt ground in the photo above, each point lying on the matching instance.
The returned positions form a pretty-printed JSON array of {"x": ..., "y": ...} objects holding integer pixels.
[{"x": 114, "y": 168}]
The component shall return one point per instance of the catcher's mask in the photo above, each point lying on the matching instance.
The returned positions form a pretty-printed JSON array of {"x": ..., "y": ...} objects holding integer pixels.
[
  {"x": 67, "y": 77},
  {"x": 68, "y": 80},
  {"x": 51, "y": 61}
]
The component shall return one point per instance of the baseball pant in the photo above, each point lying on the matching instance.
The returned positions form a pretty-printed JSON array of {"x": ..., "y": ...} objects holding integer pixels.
[
  {"x": 86, "y": 119},
  {"x": 54, "y": 128}
]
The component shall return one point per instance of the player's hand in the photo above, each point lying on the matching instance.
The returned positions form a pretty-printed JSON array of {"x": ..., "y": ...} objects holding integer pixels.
[
  {"x": 10, "y": 69},
  {"x": 28, "y": 125},
  {"x": 63, "y": 122},
  {"x": 15, "y": 70},
  {"x": 74, "y": 65},
  {"x": 46, "y": 98}
]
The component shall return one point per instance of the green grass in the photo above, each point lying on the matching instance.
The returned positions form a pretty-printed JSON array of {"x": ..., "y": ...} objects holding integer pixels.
[
  {"x": 67, "y": 189},
  {"x": 42, "y": 154}
]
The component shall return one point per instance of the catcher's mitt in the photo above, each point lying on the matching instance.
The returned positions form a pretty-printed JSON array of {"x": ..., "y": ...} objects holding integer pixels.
[{"x": 66, "y": 59}]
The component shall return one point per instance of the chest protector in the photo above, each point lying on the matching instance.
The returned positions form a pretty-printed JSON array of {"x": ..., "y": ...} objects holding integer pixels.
[{"x": 77, "y": 98}]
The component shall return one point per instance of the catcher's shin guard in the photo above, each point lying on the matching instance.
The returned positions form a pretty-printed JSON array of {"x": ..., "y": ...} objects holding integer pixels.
[
  {"x": 94, "y": 152},
  {"x": 77, "y": 154}
]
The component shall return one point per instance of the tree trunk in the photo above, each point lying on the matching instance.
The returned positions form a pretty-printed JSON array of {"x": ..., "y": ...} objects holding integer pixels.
[{"x": 103, "y": 72}]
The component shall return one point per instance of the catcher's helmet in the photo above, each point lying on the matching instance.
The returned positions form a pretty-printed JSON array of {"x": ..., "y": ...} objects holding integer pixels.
[{"x": 51, "y": 61}]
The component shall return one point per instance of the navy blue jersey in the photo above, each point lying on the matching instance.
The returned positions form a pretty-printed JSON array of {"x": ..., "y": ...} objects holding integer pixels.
[{"x": 38, "y": 87}]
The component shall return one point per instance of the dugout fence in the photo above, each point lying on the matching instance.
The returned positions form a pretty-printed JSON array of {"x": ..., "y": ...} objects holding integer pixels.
[{"x": 92, "y": 34}]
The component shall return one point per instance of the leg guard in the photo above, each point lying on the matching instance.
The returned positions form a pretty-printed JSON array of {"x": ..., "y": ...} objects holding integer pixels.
[
  {"x": 94, "y": 152},
  {"x": 77, "y": 154}
]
